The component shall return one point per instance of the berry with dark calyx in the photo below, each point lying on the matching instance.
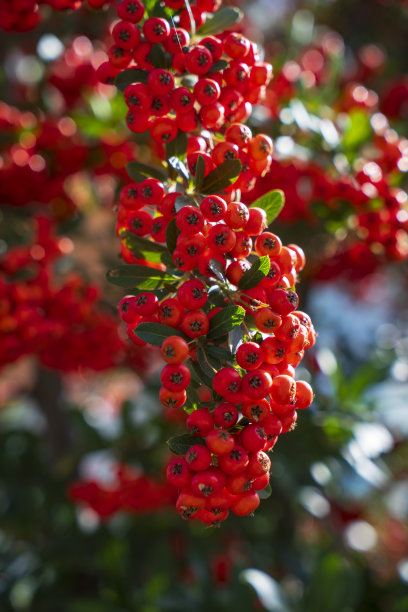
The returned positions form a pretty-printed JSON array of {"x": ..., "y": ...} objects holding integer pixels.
[
  {"x": 200, "y": 422},
  {"x": 192, "y": 295},
  {"x": 249, "y": 355},
  {"x": 219, "y": 441},
  {"x": 225, "y": 415},
  {"x": 198, "y": 458},
  {"x": 174, "y": 349},
  {"x": 175, "y": 377},
  {"x": 178, "y": 473}
]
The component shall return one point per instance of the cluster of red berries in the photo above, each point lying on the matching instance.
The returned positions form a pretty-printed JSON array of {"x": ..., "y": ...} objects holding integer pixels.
[
  {"x": 130, "y": 491},
  {"x": 53, "y": 321},
  {"x": 24, "y": 15}
]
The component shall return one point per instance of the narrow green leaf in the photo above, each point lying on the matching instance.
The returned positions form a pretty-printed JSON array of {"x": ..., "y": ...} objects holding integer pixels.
[
  {"x": 266, "y": 492},
  {"x": 221, "y": 20},
  {"x": 143, "y": 244},
  {"x": 199, "y": 175},
  {"x": 157, "y": 57},
  {"x": 216, "y": 297},
  {"x": 172, "y": 233},
  {"x": 142, "y": 277},
  {"x": 272, "y": 203},
  {"x": 358, "y": 129},
  {"x": 136, "y": 169},
  {"x": 217, "y": 67},
  {"x": 219, "y": 353},
  {"x": 225, "y": 320},
  {"x": 216, "y": 267},
  {"x": 179, "y": 445},
  {"x": 178, "y": 146},
  {"x": 205, "y": 364},
  {"x": 183, "y": 200},
  {"x": 129, "y": 76},
  {"x": 156, "y": 333},
  {"x": 255, "y": 274},
  {"x": 222, "y": 177},
  {"x": 198, "y": 375},
  {"x": 235, "y": 338}
]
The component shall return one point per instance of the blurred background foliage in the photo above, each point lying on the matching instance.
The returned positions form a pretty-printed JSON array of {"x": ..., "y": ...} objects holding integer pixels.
[{"x": 333, "y": 535}]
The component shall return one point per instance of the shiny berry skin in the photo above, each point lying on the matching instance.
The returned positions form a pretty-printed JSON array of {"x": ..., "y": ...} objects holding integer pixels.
[
  {"x": 160, "y": 81},
  {"x": 182, "y": 100},
  {"x": 266, "y": 320},
  {"x": 274, "y": 350},
  {"x": 127, "y": 310},
  {"x": 259, "y": 464},
  {"x": 283, "y": 390},
  {"x": 225, "y": 415},
  {"x": 221, "y": 238},
  {"x": 235, "y": 461},
  {"x": 261, "y": 74},
  {"x": 188, "y": 504},
  {"x": 283, "y": 301},
  {"x": 192, "y": 161},
  {"x": 214, "y": 45},
  {"x": 256, "y": 410},
  {"x": 268, "y": 244},
  {"x": 129, "y": 197},
  {"x": 190, "y": 220},
  {"x": 238, "y": 134},
  {"x": 170, "y": 312},
  {"x": 195, "y": 324},
  {"x": 151, "y": 191},
  {"x": 178, "y": 473},
  {"x": 256, "y": 221},
  {"x": 192, "y": 294},
  {"x": 239, "y": 483},
  {"x": 192, "y": 246},
  {"x": 236, "y": 46},
  {"x": 172, "y": 399},
  {"x": 163, "y": 129},
  {"x": 156, "y": 29},
  {"x": 177, "y": 38},
  {"x": 205, "y": 259},
  {"x": 253, "y": 438},
  {"x": 212, "y": 116},
  {"x": 200, "y": 422},
  {"x": 119, "y": 57},
  {"x": 227, "y": 381},
  {"x": 289, "y": 328},
  {"x": 256, "y": 384},
  {"x": 260, "y": 147},
  {"x": 243, "y": 245},
  {"x": 220, "y": 442},
  {"x": 245, "y": 504},
  {"x": 167, "y": 206},
  {"x": 146, "y": 304},
  {"x": 224, "y": 151},
  {"x": 199, "y": 60},
  {"x": 175, "y": 377},
  {"x": 187, "y": 122},
  {"x": 206, "y": 483},
  {"x": 249, "y": 356},
  {"x": 304, "y": 395},
  {"x": 206, "y": 91},
  {"x": 198, "y": 457},
  {"x": 260, "y": 482},
  {"x": 126, "y": 35},
  {"x": 236, "y": 270},
  {"x": 237, "y": 215},
  {"x": 139, "y": 222},
  {"x": 137, "y": 122},
  {"x": 174, "y": 349},
  {"x": 130, "y": 10},
  {"x": 213, "y": 208}
]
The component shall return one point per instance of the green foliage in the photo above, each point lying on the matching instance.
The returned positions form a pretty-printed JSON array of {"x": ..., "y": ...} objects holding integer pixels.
[
  {"x": 272, "y": 203},
  {"x": 140, "y": 277},
  {"x": 156, "y": 333},
  {"x": 221, "y": 20},
  {"x": 225, "y": 320},
  {"x": 222, "y": 177},
  {"x": 257, "y": 272}
]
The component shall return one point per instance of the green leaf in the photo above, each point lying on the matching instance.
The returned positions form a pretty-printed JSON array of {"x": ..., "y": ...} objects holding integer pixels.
[
  {"x": 199, "y": 175},
  {"x": 272, "y": 203},
  {"x": 256, "y": 273},
  {"x": 216, "y": 297},
  {"x": 182, "y": 201},
  {"x": 156, "y": 333},
  {"x": 219, "y": 353},
  {"x": 143, "y": 244},
  {"x": 139, "y": 171},
  {"x": 205, "y": 364},
  {"x": 358, "y": 129},
  {"x": 217, "y": 67},
  {"x": 178, "y": 146},
  {"x": 129, "y": 76},
  {"x": 225, "y": 320},
  {"x": 266, "y": 492},
  {"x": 220, "y": 21},
  {"x": 179, "y": 445},
  {"x": 172, "y": 233},
  {"x": 198, "y": 374},
  {"x": 235, "y": 338},
  {"x": 222, "y": 177},
  {"x": 142, "y": 277},
  {"x": 157, "y": 57},
  {"x": 216, "y": 267}
]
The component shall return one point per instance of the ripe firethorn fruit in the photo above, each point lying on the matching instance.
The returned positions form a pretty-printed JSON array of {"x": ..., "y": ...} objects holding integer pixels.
[
  {"x": 199, "y": 17},
  {"x": 142, "y": 57},
  {"x": 137, "y": 122},
  {"x": 212, "y": 518},
  {"x": 126, "y": 35},
  {"x": 182, "y": 100},
  {"x": 260, "y": 482},
  {"x": 236, "y": 45},
  {"x": 221, "y": 238},
  {"x": 130, "y": 10},
  {"x": 158, "y": 229},
  {"x": 178, "y": 38},
  {"x": 256, "y": 221},
  {"x": 237, "y": 215},
  {"x": 183, "y": 261},
  {"x": 256, "y": 410},
  {"x": 206, "y": 483},
  {"x": 300, "y": 256},
  {"x": 119, "y": 57},
  {"x": 281, "y": 410},
  {"x": 274, "y": 350},
  {"x": 170, "y": 312},
  {"x": 172, "y": 399},
  {"x": 213, "y": 208},
  {"x": 268, "y": 244},
  {"x": 289, "y": 422},
  {"x": 192, "y": 160},
  {"x": 260, "y": 146},
  {"x": 272, "y": 426},
  {"x": 204, "y": 393},
  {"x": 286, "y": 259},
  {"x": 188, "y": 504},
  {"x": 243, "y": 245},
  {"x": 195, "y": 323},
  {"x": 266, "y": 320},
  {"x": 212, "y": 116},
  {"x": 283, "y": 390},
  {"x": 160, "y": 106},
  {"x": 174, "y": 4},
  {"x": 106, "y": 73},
  {"x": 218, "y": 502},
  {"x": 304, "y": 395},
  {"x": 239, "y": 483},
  {"x": 174, "y": 349},
  {"x": 235, "y": 461},
  {"x": 151, "y": 191},
  {"x": 167, "y": 206},
  {"x": 196, "y": 144},
  {"x": 178, "y": 473},
  {"x": 227, "y": 381},
  {"x": 192, "y": 246},
  {"x": 198, "y": 458},
  {"x": 236, "y": 270},
  {"x": 205, "y": 260},
  {"x": 256, "y": 384},
  {"x": 303, "y": 318},
  {"x": 160, "y": 81},
  {"x": 259, "y": 464},
  {"x": 225, "y": 415},
  {"x": 129, "y": 197},
  {"x": 249, "y": 355},
  {"x": 200, "y": 422},
  {"x": 175, "y": 377},
  {"x": 192, "y": 294},
  {"x": 283, "y": 301},
  {"x": 238, "y": 134},
  {"x": 199, "y": 60},
  {"x": 163, "y": 129},
  {"x": 245, "y": 504},
  {"x": 146, "y": 304},
  {"x": 224, "y": 151},
  {"x": 156, "y": 29},
  {"x": 127, "y": 310},
  {"x": 187, "y": 122},
  {"x": 253, "y": 438},
  {"x": 206, "y": 91},
  {"x": 219, "y": 441},
  {"x": 139, "y": 222},
  {"x": 190, "y": 220},
  {"x": 131, "y": 332},
  {"x": 214, "y": 45},
  {"x": 289, "y": 328}
]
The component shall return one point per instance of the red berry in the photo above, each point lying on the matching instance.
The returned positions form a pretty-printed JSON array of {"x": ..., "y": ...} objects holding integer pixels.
[
  {"x": 198, "y": 458},
  {"x": 175, "y": 377}
]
